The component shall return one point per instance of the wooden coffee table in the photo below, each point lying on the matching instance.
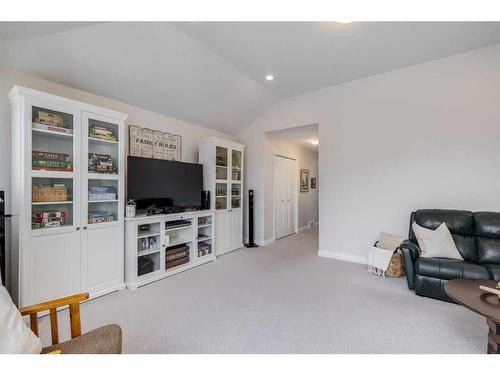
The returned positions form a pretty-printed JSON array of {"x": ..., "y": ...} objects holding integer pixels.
[{"x": 468, "y": 294}]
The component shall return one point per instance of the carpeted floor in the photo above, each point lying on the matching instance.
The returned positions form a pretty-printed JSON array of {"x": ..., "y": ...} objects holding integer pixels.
[{"x": 283, "y": 299}]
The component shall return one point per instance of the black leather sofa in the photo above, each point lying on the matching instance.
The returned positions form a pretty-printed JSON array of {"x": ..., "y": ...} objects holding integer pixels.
[{"x": 477, "y": 237}]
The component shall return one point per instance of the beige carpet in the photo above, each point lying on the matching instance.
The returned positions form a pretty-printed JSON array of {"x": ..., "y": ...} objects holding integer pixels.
[{"x": 283, "y": 299}]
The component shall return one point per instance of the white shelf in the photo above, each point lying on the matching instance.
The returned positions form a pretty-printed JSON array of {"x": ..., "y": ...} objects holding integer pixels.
[
  {"x": 53, "y": 134},
  {"x": 221, "y": 166},
  {"x": 50, "y": 174},
  {"x": 204, "y": 225},
  {"x": 147, "y": 252},
  {"x": 201, "y": 239},
  {"x": 102, "y": 176},
  {"x": 44, "y": 203},
  {"x": 97, "y": 140},
  {"x": 146, "y": 235},
  {"x": 178, "y": 241},
  {"x": 178, "y": 228},
  {"x": 221, "y": 196},
  {"x": 104, "y": 201}
]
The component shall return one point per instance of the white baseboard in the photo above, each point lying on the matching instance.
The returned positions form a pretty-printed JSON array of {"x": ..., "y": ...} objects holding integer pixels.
[
  {"x": 266, "y": 242},
  {"x": 313, "y": 223},
  {"x": 343, "y": 256},
  {"x": 304, "y": 228}
]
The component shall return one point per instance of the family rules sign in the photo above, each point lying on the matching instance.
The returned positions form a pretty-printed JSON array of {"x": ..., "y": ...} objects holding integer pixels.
[{"x": 154, "y": 144}]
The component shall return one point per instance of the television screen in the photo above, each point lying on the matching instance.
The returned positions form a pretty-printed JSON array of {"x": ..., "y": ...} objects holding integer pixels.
[{"x": 164, "y": 183}]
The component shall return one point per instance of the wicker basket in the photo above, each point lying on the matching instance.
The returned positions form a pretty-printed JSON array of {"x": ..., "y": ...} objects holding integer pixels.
[
  {"x": 396, "y": 266},
  {"x": 49, "y": 194}
]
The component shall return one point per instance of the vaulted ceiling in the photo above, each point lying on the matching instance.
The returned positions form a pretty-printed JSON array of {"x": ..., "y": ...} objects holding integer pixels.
[{"x": 212, "y": 73}]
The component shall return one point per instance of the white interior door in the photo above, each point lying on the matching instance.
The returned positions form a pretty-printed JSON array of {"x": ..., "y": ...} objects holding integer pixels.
[{"x": 284, "y": 180}]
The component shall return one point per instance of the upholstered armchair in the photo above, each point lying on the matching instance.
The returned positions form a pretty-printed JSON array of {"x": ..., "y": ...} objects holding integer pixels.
[{"x": 103, "y": 340}]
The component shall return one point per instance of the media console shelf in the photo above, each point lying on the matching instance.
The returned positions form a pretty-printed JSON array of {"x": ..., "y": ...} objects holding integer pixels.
[{"x": 159, "y": 246}]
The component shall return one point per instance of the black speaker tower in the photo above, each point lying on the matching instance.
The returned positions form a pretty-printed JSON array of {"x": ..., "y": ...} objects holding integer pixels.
[{"x": 250, "y": 243}]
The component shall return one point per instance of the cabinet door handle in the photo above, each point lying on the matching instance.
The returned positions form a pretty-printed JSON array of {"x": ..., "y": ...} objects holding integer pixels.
[
  {"x": 84, "y": 227},
  {"x": 77, "y": 228}
]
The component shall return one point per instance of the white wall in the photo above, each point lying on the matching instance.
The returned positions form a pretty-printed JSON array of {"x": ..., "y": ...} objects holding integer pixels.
[
  {"x": 426, "y": 136},
  {"x": 307, "y": 159},
  {"x": 191, "y": 133}
]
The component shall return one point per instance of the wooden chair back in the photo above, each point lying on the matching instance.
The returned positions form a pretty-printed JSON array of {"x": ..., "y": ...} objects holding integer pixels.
[{"x": 73, "y": 302}]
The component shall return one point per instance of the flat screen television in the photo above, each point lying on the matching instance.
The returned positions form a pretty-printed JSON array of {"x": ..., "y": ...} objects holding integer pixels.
[{"x": 164, "y": 183}]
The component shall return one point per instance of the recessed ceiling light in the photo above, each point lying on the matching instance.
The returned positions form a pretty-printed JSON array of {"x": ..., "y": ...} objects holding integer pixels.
[
  {"x": 314, "y": 141},
  {"x": 269, "y": 77}
]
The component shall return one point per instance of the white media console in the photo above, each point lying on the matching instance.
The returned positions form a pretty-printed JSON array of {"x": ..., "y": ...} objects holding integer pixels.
[{"x": 159, "y": 246}]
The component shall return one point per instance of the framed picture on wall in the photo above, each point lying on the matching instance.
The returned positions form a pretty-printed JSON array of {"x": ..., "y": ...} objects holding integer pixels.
[
  {"x": 304, "y": 180},
  {"x": 313, "y": 182}
]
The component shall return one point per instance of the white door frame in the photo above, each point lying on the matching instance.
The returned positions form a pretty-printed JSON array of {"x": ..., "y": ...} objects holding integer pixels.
[{"x": 295, "y": 190}]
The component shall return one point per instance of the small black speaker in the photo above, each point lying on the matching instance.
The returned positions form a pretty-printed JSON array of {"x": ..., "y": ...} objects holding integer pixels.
[
  {"x": 205, "y": 200},
  {"x": 251, "y": 242}
]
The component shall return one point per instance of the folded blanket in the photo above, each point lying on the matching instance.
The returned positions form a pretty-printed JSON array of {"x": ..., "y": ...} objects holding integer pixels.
[{"x": 379, "y": 260}]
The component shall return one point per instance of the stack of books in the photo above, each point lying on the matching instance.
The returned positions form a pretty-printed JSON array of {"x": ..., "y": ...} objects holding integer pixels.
[
  {"x": 49, "y": 219},
  {"x": 100, "y": 217},
  {"x": 101, "y": 132},
  {"x": 51, "y": 121},
  {"x": 51, "y": 161},
  {"x": 49, "y": 118},
  {"x": 101, "y": 163},
  {"x": 102, "y": 193}
]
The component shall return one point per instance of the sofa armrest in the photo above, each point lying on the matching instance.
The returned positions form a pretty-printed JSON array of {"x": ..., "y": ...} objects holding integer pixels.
[{"x": 411, "y": 252}]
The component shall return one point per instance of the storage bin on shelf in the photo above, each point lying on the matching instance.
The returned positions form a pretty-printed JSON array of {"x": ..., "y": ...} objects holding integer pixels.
[{"x": 49, "y": 194}]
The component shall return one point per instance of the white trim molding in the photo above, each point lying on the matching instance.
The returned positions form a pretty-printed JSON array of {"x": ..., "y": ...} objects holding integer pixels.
[
  {"x": 343, "y": 256},
  {"x": 266, "y": 242}
]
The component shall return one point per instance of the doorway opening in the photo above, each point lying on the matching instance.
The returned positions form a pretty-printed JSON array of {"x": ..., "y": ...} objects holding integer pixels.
[{"x": 295, "y": 184}]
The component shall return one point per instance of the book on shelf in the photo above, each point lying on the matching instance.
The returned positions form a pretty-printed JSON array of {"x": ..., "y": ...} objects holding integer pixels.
[
  {"x": 51, "y": 161},
  {"x": 96, "y": 217},
  {"x": 45, "y": 155},
  {"x": 101, "y": 189},
  {"x": 101, "y": 132},
  {"x": 48, "y": 219},
  {"x": 50, "y": 118},
  {"x": 101, "y": 163},
  {"x": 99, "y": 193}
]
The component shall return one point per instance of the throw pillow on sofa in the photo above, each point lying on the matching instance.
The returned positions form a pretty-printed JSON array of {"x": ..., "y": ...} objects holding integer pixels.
[
  {"x": 15, "y": 336},
  {"x": 436, "y": 243}
]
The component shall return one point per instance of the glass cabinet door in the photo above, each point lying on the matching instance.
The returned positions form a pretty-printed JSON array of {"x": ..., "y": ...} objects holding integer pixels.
[
  {"x": 236, "y": 195},
  {"x": 221, "y": 196},
  {"x": 236, "y": 165},
  {"x": 103, "y": 170},
  {"x": 221, "y": 163},
  {"x": 52, "y": 168}
]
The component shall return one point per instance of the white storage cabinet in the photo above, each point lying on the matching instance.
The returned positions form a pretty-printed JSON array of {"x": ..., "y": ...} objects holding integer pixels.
[
  {"x": 223, "y": 176},
  {"x": 70, "y": 241}
]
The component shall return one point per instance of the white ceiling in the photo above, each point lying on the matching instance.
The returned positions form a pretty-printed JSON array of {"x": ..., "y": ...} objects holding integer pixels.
[
  {"x": 305, "y": 56},
  {"x": 299, "y": 136},
  {"x": 212, "y": 73},
  {"x": 10, "y": 31}
]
